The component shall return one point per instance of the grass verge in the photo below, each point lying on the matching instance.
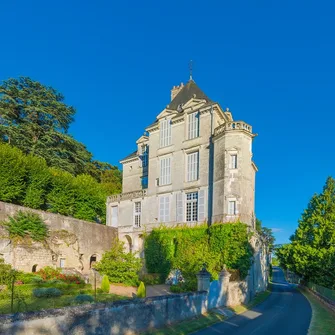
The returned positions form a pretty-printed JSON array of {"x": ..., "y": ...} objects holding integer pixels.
[
  {"x": 189, "y": 326},
  {"x": 323, "y": 321}
]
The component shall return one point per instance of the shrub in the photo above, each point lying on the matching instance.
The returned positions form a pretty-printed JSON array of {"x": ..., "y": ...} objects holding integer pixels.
[
  {"x": 105, "y": 286},
  {"x": 29, "y": 278},
  {"x": 5, "y": 272},
  {"x": 47, "y": 292},
  {"x": 120, "y": 266},
  {"x": 141, "y": 291},
  {"x": 26, "y": 224},
  {"x": 48, "y": 273},
  {"x": 83, "y": 298},
  {"x": 151, "y": 279}
]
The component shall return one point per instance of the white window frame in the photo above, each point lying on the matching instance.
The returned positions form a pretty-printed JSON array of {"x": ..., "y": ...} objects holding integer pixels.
[
  {"x": 192, "y": 164},
  {"x": 232, "y": 207},
  {"x": 165, "y": 171},
  {"x": 164, "y": 209},
  {"x": 193, "y": 125},
  {"x": 192, "y": 202},
  {"x": 62, "y": 263},
  {"x": 165, "y": 133},
  {"x": 137, "y": 214},
  {"x": 233, "y": 161}
]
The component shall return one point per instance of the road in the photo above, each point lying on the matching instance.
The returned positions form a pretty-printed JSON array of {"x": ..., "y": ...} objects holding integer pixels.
[{"x": 286, "y": 311}]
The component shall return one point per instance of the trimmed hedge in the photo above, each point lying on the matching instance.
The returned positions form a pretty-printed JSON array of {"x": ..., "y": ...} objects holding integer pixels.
[
  {"x": 47, "y": 292},
  {"x": 188, "y": 248}
]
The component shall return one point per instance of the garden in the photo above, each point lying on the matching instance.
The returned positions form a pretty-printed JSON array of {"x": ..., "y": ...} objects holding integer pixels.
[{"x": 46, "y": 289}]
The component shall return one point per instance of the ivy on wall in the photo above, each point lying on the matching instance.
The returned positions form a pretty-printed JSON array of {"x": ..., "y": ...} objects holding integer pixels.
[{"x": 187, "y": 249}]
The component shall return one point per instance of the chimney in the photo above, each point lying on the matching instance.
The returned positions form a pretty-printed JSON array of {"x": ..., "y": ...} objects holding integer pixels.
[{"x": 175, "y": 90}]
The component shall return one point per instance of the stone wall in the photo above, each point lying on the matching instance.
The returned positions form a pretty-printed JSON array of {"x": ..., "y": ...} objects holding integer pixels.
[
  {"x": 123, "y": 317},
  {"x": 73, "y": 243}
]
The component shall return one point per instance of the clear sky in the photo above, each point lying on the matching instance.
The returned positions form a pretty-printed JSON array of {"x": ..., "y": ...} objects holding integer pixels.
[{"x": 271, "y": 62}]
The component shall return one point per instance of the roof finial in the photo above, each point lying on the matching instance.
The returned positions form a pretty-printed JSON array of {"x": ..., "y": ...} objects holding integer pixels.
[{"x": 191, "y": 69}]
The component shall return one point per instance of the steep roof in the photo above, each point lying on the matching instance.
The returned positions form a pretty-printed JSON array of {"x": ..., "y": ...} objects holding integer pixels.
[
  {"x": 189, "y": 91},
  {"x": 132, "y": 155}
]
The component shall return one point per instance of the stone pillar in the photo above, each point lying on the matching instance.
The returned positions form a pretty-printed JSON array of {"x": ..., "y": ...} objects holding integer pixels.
[
  {"x": 224, "y": 276},
  {"x": 203, "y": 277}
]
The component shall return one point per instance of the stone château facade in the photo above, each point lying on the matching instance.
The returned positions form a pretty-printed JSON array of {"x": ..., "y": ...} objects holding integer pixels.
[{"x": 192, "y": 165}]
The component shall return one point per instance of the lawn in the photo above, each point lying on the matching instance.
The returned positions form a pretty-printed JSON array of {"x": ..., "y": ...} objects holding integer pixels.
[{"x": 323, "y": 319}]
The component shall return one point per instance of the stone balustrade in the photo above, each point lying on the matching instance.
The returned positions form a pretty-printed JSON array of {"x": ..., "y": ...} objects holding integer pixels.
[
  {"x": 233, "y": 125},
  {"x": 127, "y": 196}
]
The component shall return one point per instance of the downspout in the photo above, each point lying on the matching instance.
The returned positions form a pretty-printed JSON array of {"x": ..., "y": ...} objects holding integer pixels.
[{"x": 210, "y": 172}]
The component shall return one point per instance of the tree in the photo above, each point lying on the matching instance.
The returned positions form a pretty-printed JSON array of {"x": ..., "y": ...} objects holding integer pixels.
[
  {"x": 266, "y": 234},
  {"x": 105, "y": 286},
  {"x": 120, "y": 266},
  {"x": 311, "y": 252}
]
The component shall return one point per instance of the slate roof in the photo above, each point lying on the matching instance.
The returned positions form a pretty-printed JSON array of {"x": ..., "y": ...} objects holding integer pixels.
[
  {"x": 132, "y": 155},
  {"x": 189, "y": 91}
]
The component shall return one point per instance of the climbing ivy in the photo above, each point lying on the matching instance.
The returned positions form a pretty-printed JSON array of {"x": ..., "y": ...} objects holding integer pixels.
[{"x": 188, "y": 248}]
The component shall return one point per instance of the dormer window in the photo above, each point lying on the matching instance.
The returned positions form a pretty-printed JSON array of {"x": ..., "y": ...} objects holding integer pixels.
[
  {"x": 165, "y": 133},
  {"x": 193, "y": 125}
]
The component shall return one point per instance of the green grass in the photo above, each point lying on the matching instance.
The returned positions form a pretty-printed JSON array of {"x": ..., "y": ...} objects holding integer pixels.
[
  {"x": 189, "y": 326},
  {"x": 323, "y": 319},
  {"x": 29, "y": 304}
]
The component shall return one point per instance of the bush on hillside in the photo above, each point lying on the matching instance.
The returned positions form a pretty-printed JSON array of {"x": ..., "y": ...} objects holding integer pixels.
[
  {"x": 47, "y": 292},
  {"x": 81, "y": 298},
  {"x": 5, "y": 272},
  {"x": 23, "y": 224},
  {"x": 141, "y": 291},
  {"x": 120, "y": 266}
]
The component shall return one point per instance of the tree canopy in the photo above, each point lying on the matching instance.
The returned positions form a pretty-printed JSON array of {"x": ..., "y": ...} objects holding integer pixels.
[
  {"x": 36, "y": 119},
  {"x": 311, "y": 253}
]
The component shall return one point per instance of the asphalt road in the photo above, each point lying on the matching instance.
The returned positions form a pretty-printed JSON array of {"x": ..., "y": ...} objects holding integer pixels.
[{"x": 286, "y": 311}]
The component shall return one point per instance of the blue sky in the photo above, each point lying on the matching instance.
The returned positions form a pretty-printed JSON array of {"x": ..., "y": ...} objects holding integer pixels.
[{"x": 270, "y": 62}]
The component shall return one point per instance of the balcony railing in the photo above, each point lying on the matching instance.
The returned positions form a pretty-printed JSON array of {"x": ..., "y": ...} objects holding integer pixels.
[
  {"x": 127, "y": 196},
  {"x": 233, "y": 125}
]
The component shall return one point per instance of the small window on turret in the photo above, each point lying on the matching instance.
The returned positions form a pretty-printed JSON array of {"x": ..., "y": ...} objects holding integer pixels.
[{"x": 233, "y": 161}]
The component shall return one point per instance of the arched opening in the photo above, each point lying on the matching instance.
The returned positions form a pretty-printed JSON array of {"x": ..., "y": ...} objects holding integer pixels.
[
  {"x": 129, "y": 244},
  {"x": 93, "y": 260},
  {"x": 34, "y": 269}
]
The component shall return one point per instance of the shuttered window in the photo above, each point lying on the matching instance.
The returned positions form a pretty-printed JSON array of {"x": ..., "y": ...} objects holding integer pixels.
[
  {"x": 193, "y": 125},
  {"x": 165, "y": 133},
  {"x": 192, "y": 166},
  {"x": 165, "y": 171},
  {"x": 180, "y": 207},
  {"x": 164, "y": 209},
  {"x": 201, "y": 206}
]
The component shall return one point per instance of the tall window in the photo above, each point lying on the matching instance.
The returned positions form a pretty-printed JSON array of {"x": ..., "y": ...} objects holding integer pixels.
[
  {"x": 192, "y": 206},
  {"x": 164, "y": 209},
  {"x": 137, "y": 214},
  {"x": 144, "y": 155},
  {"x": 232, "y": 207},
  {"x": 145, "y": 182},
  {"x": 165, "y": 133},
  {"x": 114, "y": 219},
  {"x": 165, "y": 171},
  {"x": 233, "y": 161},
  {"x": 193, "y": 125},
  {"x": 192, "y": 166}
]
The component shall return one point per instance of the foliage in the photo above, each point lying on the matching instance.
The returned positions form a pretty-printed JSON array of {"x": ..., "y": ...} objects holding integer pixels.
[
  {"x": 266, "y": 234},
  {"x": 188, "y": 286},
  {"x": 141, "y": 291},
  {"x": 120, "y": 266},
  {"x": 28, "y": 278},
  {"x": 105, "y": 286},
  {"x": 275, "y": 261},
  {"x": 47, "y": 292},
  {"x": 5, "y": 272},
  {"x": 26, "y": 224},
  {"x": 81, "y": 298},
  {"x": 187, "y": 249},
  {"x": 28, "y": 181},
  {"x": 151, "y": 279},
  {"x": 311, "y": 253},
  {"x": 48, "y": 273}
]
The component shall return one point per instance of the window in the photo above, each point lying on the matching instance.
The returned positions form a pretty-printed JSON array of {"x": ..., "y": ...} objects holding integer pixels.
[
  {"x": 192, "y": 166},
  {"x": 137, "y": 214},
  {"x": 165, "y": 171},
  {"x": 114, "y": 221},
  {"x": 232, "y": 207},
  {"x": 193, "y": 125},
  {"x": 144, "y": 155},
  {"x": 164, "y": 209},
  {"x": 62, "y": 263},
  {"x": 145, "y": 182},
  {"x": 165, "y": 133},
  {"x": 233, "y": 161},
  {"x": 192, "y": 206}
]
